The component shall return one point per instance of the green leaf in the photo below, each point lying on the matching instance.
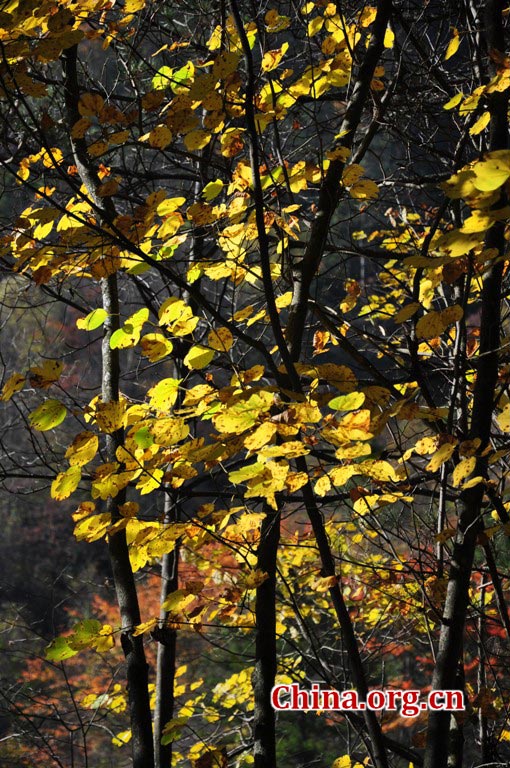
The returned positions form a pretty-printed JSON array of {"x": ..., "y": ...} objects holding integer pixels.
[
  {"x": 143, "y": 438},
  {"x": 162, "y": 80},
  {"x": 59, "y": 650},
  {"x": 350, "y": 402},
  {"x": 48, "y": 415}
]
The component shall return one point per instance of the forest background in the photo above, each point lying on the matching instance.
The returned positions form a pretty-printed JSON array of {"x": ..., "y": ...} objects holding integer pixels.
[{"x": 255, "y": 327}]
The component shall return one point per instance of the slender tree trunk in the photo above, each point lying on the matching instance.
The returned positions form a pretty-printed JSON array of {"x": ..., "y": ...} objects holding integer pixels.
[
  {"x": 470, "y": 502},
  {"x": 127, "y": 598},
  {"x": 376, "y": 743},
  {"x": 167, "y": 647},
  {"x": 125, "y": 587},
  {"x": 264, "y": 749}
]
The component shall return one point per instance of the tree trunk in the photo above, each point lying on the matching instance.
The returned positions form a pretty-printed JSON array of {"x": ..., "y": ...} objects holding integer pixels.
[
  {"x": 470, "y": 502},
  {"x": 264, "y": 749}
]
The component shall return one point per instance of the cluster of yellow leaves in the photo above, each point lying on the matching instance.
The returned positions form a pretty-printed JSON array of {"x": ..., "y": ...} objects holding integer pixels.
[{"x": 89, "y": 634}]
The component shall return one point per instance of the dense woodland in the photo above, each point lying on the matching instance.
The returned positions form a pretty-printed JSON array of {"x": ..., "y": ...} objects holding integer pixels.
[{"x": 255, "y": 321}]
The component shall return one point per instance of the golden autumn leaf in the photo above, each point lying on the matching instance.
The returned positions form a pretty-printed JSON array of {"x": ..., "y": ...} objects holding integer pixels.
[
  {"x": 443, "y": 454},
  {"x": 364, "y": 189},
  {"x": 198, "y": 357},
  {"x": 220, "y": 339},
  {"x": 322, "y": 485},
  {"x": 110, "y": 416},
  {"x": 42, "y": 376},
  {"x": 93, "y": 527},
  {"x": 480, "y": 124},
  {"x": 406, "y": 312},
  {"x": 160, "y": 137},
  {"x": 463, "y": 469},
  {"x": 493, "y": 172},
  {"x": 169, "y": 431},
  {"x": 435, "y": 323},
  {"x": 13, "y": 384},
  {"x": 261, "y": 436},
  {"x": 65, "y": 483},
  {"x": 197, "y": 140},
  {"x": 271, "y": 59},
  {"x": 212, "y": 190},
  {"x": 155, "y": 346},
  {"x": 83, "y": 449},
  {"x": 164, "y": 394},
  {"x": 453, "y": 45}
]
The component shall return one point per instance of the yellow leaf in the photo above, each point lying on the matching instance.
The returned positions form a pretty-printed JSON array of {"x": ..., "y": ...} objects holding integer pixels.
[
  {"x": 503, "y": 419},
  {"x": 365, "y": 189},
  {"x": 357, "y": 425},
  {"x": 42, "y": 376},
  {"x": 389, "y": 38},
  {"x": 261, "y": 436},
  {"x": 271, "y": 59},
  {"x": 244, "y": 313},
  {"x": 341, "y": 475},
  {"x": 65, "y": 483},
  {"x": 342, "y": 762},
  {"x": 296, "y": 480},
  {"x": 453, "y": 45},
  {"x": 406, "y": 312},
  {"x": 353, "y": 451},
  {"x": 177, "y": 600},
  {"x": 13, "y": 384},
  {"x": 160, "y": 137},
  {"x": 220, "y": 340},
  {"x": 133, "y": 6},
  {"x": 352, "y": 174},
  {"x": 315, "y": 25},
  {"x": 378, "y": 470},
  {"x": 492, "y": 173},
  {"x": 197, "y": 140},
  {"x": 83, "y": 449},
  {"x": 463, "y": 469},
  {"x": 323, "y": 485},
  {"x": 147, "y": 626},
  {"x": 169, "y": 431},
  {"x": 435, "y": 323},
  {"x": 150, "y": 481},
  {"x": 110, "y": 416},
  {"x": 169, "y": 205},
  {"x": 454, "y": 101},
  {"x": 212, "y": 190},
  {"x": 92, "y": 528},
  {"x": 442, "y": 455},
  {"x": 254, "y": 579},
  {"x": 198, "y": 357},
  {"x": 471, "y": 483},
  {"x": 155, "y": 346},
  {"x": 164, "y": 394},
  {"x": 426, "y": 445},
  {"x": 480, "y": 124}
]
